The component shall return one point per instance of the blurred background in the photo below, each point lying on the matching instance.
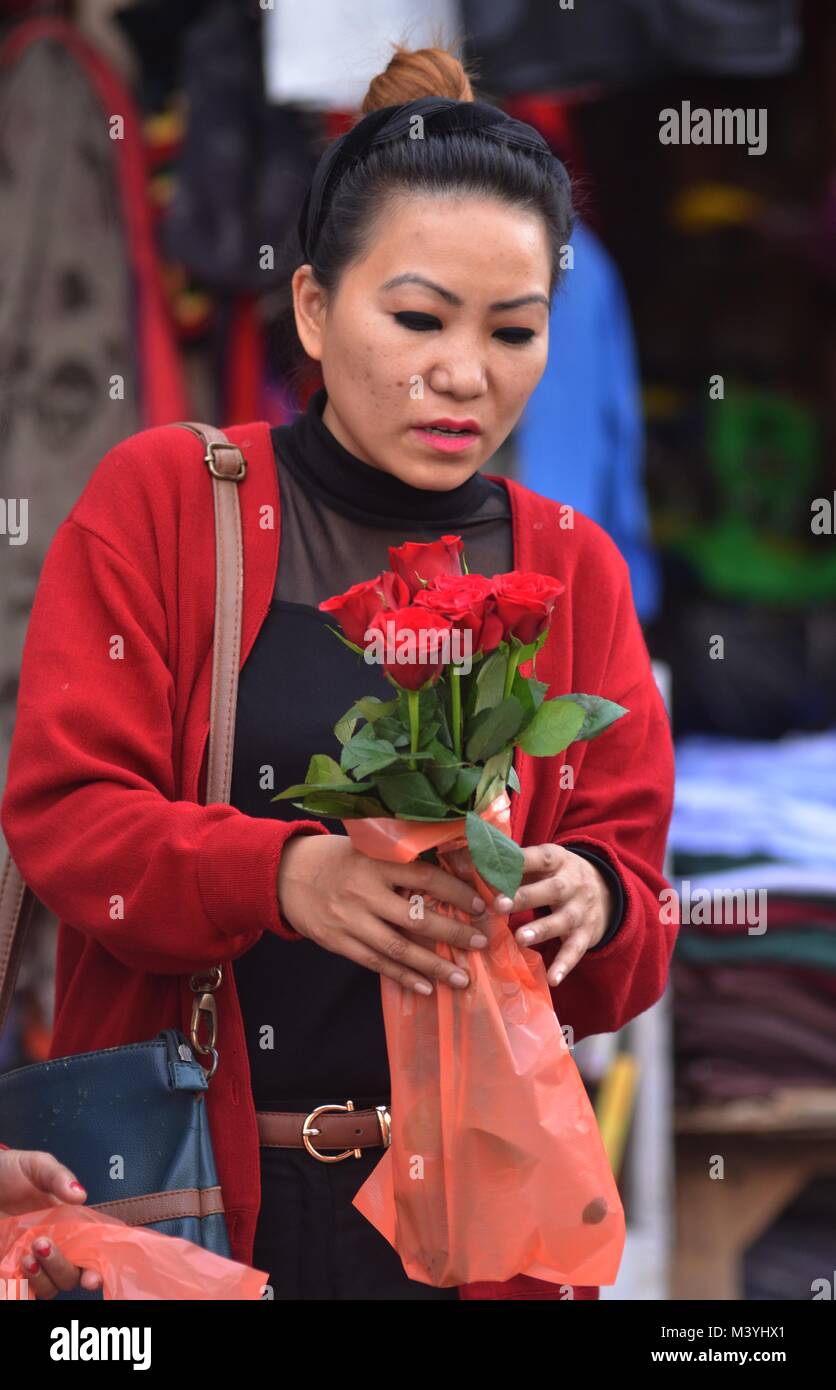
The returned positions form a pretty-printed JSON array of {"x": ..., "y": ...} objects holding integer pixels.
[{"x": 153, "y": 158}]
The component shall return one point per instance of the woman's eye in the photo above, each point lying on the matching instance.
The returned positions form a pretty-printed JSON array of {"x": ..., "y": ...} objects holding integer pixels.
[
  {"x": 515, "y": 335},
  {"x": 419, "y": 322}
]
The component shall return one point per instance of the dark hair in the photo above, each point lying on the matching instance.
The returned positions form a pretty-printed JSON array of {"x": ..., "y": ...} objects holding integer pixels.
[{"x": 462, "y": 161}]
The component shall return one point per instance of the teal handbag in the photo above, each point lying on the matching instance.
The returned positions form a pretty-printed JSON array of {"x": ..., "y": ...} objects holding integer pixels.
[{"x": 143, "y": 1102}]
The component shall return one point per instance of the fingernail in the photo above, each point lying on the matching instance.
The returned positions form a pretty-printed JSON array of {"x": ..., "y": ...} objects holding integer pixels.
[
  {"x": 458, "y": 977},
  {"x": 42, "y": 1247},
  {"x": 31, "y": 1266},
  {"x": 478, "y": 939},
  {"x": 423, "y": 988},
  {"x": 557, "y": 977},
  {"x": 504, "y": 904},
  {"x": 76, "y": 1187},
  {"x": 526, "y": 934},
  {"x": 478, "y": 905}
]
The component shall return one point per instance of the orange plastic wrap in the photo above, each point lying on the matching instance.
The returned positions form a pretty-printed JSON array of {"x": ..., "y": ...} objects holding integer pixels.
[
  {"x": 496, "y": 1166},
  {"x": 133, "y": 1262}
]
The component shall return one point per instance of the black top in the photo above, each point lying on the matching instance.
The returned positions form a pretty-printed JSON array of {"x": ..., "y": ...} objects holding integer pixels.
[{"x": 313, "y": 1019}]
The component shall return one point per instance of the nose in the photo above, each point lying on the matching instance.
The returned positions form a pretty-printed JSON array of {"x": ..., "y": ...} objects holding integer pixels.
[{"x": 461, "y": 373}]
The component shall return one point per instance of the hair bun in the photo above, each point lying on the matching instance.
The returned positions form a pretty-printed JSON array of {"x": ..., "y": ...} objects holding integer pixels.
[{"x": 412, "y": 73}]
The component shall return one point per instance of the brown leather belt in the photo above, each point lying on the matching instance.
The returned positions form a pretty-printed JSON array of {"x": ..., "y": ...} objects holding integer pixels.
[{"x": 334, "y": 1126}]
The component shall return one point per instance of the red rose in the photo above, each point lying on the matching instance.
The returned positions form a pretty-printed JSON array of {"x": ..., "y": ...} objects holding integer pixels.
[
  {"x": 524, "y": 602},
  {"x": 415, "y": 560},
  {"x": 356, "y": 609},
  {"x": 412, "y": 645},
  {"x": 467, "y": 600}
]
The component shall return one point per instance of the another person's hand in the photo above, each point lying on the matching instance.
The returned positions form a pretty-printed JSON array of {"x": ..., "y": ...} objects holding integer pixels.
[
  {"x": 29, "y": 1180},
  {"x": 359, "y": 907},
  {"x": 578, "y": 896}
]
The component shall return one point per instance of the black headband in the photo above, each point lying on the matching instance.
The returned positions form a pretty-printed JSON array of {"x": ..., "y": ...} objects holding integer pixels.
[{"x": 441, "y": 116}]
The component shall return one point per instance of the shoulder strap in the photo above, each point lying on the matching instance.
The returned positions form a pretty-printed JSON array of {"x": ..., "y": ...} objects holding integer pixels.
[{"x": 228, "y": 466}]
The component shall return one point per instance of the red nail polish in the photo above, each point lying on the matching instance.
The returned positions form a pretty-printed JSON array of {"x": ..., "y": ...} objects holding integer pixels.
[
  {"x": 76, "y": 1186},
  {"x": 42, "y": 1247},
  {"x": 31, "y": 1266}
]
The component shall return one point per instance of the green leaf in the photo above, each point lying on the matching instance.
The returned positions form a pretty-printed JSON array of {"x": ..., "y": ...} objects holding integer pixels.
[
  {"x": 369, "y": 708},
  {"x": 344, "y": 728},
  {"x": 325, "y": 803},
  {"x": 428, "y": 733},
  {"x": 365, "y": 753},
  {"x": 375, "y": 762},
  {"x": 321, "y": 768},
  {"x": 444, "y": 769},
  {"x": 411, "y": 796},
  {"x": 372, "y": 709},
  {"x": 390, "y": 728},
  {"x": 496, "y": 857},
  {"x": 428, "y": 706},
  {"x": 490, "y": 681},
  {"x": 306, "y": 788},
  {"x": 464, "y": 785},
  {"x": 493, "y": 728},
  {"x": 493, "y": 779},
  {"x": 538, "y": 689},
  {"x": 599, "y": 714},
  {"x": 530, "y": 693},
  {"x": 553, "y": 728},
  {"x": 492, "y": 789}
]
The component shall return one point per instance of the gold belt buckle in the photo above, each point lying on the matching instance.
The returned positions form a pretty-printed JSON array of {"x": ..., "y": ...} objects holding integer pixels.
[{"x": 308, "y": 1128}]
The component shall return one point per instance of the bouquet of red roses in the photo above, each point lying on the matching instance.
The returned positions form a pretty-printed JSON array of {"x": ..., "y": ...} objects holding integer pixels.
[
  {"x": 495, "y": 1165},
  {"x": 453, "y": 645}
]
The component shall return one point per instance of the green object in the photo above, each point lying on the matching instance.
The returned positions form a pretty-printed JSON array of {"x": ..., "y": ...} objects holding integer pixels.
[
  {"x": 816, "y": 948},
  {"x": 496, "y": 857},
  {"x": 764, "y": 456}
]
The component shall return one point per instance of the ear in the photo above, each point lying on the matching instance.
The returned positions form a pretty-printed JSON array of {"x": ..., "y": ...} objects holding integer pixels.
[{"x": 309, "y": 309}]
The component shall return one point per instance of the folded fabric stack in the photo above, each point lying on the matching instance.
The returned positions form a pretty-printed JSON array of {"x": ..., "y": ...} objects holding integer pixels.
[{"x": 753, "y": 842}]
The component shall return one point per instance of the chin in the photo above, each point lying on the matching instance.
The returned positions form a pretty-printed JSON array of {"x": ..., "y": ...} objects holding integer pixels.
[
  {"x": 435, "y": 477},
  {"x": 437, "y": 474}
]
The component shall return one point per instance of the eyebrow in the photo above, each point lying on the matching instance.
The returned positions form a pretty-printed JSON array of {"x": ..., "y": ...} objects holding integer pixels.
[{"x": 410, "y": 279}]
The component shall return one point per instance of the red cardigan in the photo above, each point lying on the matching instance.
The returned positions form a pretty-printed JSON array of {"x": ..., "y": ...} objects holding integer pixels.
[{"x": 107, "y": 765}]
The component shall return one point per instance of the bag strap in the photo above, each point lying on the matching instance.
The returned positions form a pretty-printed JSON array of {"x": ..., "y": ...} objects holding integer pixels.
[{"x": 227, "y": 466}]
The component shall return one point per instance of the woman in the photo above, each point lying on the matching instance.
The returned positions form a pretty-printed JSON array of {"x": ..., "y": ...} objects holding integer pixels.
[{"x": 430, "y": 255}]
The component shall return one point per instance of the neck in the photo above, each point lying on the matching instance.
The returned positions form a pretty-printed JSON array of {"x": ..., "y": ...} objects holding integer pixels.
[{"x": 353, "y": 487}]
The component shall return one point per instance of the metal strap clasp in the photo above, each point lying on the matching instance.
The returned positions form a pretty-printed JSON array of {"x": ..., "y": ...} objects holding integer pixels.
[
  {"x": 218, "y": 468},
  {"x": 204, "y": 1006}
]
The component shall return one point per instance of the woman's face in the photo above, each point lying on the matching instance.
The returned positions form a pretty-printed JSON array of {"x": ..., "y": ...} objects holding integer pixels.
[{"x": 420, "y": 332}]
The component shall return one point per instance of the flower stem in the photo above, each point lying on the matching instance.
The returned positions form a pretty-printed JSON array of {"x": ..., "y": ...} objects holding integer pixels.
[
  {"x": 456, "y": 703},
  {"x": 412, "y": 698},
  {"x": 511, "y": 671}
]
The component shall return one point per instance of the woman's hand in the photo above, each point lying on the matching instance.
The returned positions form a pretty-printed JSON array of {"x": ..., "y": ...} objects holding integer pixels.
[
  {"x": 359, "y": 907},
  {"x": 29, "y": 1180},
  {"x": 579, "y": 897}
]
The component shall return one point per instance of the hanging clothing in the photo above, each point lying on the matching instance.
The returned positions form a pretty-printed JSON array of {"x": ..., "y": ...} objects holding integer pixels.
[
  {"x": 330, "y": 63},
  {"x": 108, "y": 770},
  {"x": 525, "y": 46}
]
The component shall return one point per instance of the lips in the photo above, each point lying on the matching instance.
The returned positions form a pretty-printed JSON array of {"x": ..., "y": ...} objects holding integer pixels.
[{"x": 452, "y": 426}]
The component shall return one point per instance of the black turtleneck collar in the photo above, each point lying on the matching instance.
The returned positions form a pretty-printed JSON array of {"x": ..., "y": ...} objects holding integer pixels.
[{"x": 356, "y": 489}]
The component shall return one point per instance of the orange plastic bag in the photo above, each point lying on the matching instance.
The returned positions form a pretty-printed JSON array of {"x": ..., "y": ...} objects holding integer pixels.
[
  {"x": 133, "y": 1262},
  {"x": 496, "y": 1165}
]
